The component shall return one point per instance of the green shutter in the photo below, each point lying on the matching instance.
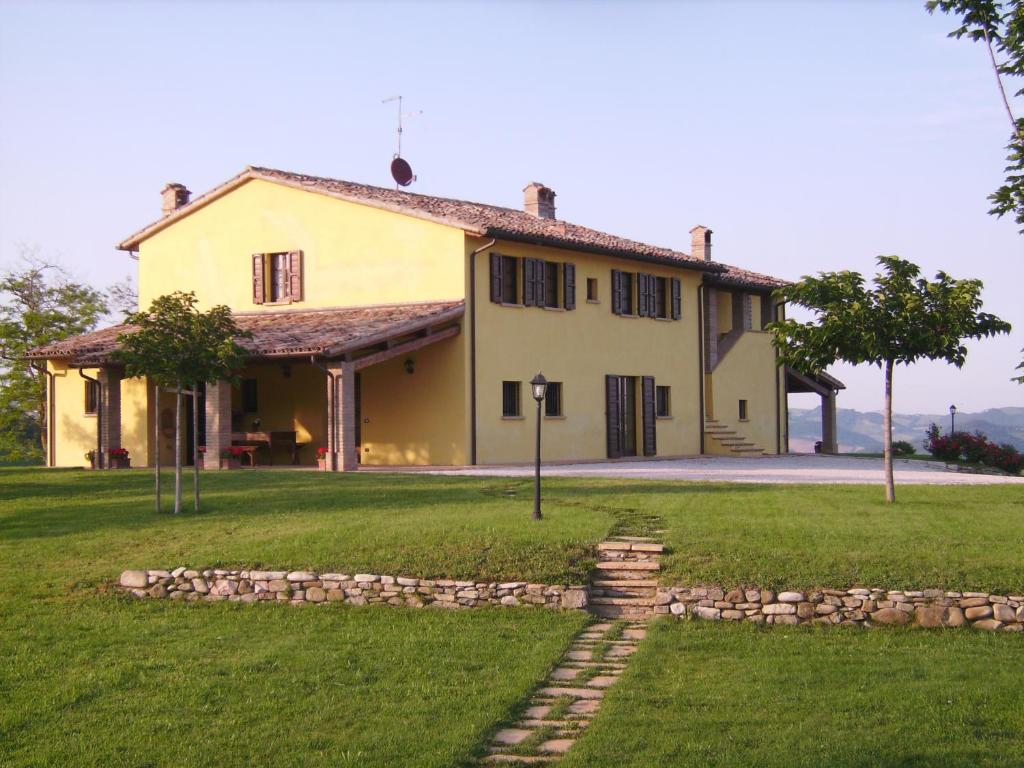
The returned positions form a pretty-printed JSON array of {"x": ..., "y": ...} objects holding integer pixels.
[{"x": 569, "y": 300}]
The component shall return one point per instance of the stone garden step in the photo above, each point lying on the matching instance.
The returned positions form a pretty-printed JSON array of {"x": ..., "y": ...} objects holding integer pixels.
[
  {"x": 631, "y": 583},
  {"x": 519, "y": 759},
  {"x": 621, "y": 611},
  {"x": 638, "y": 565},
  {"x": 647, "y": 601}
]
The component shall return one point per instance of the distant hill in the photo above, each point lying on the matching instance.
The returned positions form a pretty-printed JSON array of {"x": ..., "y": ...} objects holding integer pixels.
[{"x": 861, "y": 432}]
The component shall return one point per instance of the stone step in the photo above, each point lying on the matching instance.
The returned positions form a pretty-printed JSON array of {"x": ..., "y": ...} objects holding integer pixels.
[
  {"x": 574, "y": 692},
  {"x": 646, "y": 592},
  {"x": 630, "y": 546},
  {"x": 638, "y": 565},
  {"x": 519, "y": 759},
  {"x": 630, "y": 538},
  {"x": 621, "y": 612},
  {"x": 622, "y": 601},
  {"x": 629, "y": 583}
]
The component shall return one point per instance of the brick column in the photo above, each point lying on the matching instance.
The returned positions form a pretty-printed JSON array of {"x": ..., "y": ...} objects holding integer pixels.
[
  {"x": 218, "y": 422},
  {"x": 710, "y": 329},
  {"x": 341, "y": 405},
  {"x": 109, "y": 411},
  {"x": 829, "y": 433}
]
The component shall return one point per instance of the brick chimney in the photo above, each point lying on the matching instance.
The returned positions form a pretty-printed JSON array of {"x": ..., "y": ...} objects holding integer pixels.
[
  {"x": 539, "y": 201},
  {"x": 701, "y": 242},
  {"x": 174, "y": 197}
]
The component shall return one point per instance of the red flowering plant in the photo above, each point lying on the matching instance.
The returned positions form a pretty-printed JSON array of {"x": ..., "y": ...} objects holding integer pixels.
[
  {"x": 974, "y": 449},
  {"x": 321, "y": 453},
  {"x": 201, "y": 449},
  {"x": 232, "y": 452},
  {"x": 118, "y": 453}
]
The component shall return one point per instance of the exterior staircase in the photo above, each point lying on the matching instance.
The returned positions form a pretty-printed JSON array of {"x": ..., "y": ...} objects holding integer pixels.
[
  {"x": 625, "y": 583},
  {"x": 730, "y": 440}
]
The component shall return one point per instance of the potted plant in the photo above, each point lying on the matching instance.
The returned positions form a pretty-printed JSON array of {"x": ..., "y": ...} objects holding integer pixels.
[
  {"x": 231, "y": 457},
  {"x": 321, "y": 459},
  {"x": 119, "y": 459},
  {"x": 90, "y": 456}
]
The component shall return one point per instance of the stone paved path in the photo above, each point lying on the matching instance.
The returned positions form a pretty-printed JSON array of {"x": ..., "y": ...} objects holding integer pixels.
[{"x": 563, "y": 706}]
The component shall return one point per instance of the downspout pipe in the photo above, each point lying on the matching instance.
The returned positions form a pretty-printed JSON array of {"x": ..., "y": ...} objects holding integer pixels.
[
  {"x": 51, "y": 396},
  {"x": 472, "y": 347},
  {"x": 700, "y": 363},
  {"x": 332, "y": 404},
  {"x": 100, "y": 463}
]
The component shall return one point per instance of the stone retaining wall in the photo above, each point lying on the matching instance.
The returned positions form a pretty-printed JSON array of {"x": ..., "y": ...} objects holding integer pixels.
[
  {"x": 864, "y": 607},
  {"x": 250, "y": 586}
]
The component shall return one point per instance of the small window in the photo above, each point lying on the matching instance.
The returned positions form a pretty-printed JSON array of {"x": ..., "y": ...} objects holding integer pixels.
[
  {"x": 553, "y": 400},
  {"x": 551, "y": 270},
  {"x": 743, "y": 410},
  {"x": 664, "y": 398},
  {"x": 92, "y": 397},
  {"x": 660, "y": 298},
  {"x": 510, "y": 280},
  {"x": 510, "y": 402},
  {"x": 277, "y": 277},
  {"x": 627, "y": 305},
  {"x": 592, "y": 289},
  {"x": 250, "y": 396}
]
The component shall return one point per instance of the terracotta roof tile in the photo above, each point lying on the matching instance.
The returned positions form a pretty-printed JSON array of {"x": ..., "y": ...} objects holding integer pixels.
[
  {"x": 286, "y": 333},
  {"x": 744, "y": 278}
]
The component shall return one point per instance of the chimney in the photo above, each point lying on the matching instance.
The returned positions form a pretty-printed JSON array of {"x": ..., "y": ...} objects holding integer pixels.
[
  {"x": 540, "y": 200},
  {"x": 174, "y": 197},
  {"x": 701, "y": 242}
]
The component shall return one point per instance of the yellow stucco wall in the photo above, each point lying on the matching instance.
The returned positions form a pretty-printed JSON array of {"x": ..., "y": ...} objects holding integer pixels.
[
  {"x": 353, "y": 254},
  {"x": 747, "y": 372},
  {"x": 418, "y": 418},
  {"x": 578, "y": 348}
]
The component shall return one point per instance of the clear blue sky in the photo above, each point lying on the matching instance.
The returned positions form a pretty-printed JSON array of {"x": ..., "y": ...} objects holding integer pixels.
[{"x": 810, "y": 136}]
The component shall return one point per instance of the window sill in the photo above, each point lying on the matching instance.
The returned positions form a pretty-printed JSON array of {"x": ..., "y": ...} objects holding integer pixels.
[
  {"x": 89, "y": 415},
  {"x": 513, "y": 418},
  {"x": 278, "y": 303},
  {"x": 664, "y": 319},
  {"x": 593, "y": 301},
  {"x": 554, "y": 418},
  {"x": 506, "y": 304},
  {"x": 744, "y": 421},
  {"x": 554, "y": 309},
  {"x": 664, "y": 418}
]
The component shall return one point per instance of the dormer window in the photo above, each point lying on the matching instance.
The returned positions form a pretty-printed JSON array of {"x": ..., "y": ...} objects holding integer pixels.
[{"x": 277, "y": 277}]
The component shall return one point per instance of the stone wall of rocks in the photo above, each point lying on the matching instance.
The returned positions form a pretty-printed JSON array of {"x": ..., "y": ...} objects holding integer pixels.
[
  {"x": 863, "y": 607},
  {"x": 250, "y": 586}
]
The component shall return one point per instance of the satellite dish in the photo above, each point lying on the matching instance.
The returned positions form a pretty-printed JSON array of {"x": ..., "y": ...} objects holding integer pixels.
[{"x": 401, "y": 172}]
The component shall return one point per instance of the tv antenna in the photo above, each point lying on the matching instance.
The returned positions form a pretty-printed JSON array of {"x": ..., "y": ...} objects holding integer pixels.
[{"x": 401, "y": 171}]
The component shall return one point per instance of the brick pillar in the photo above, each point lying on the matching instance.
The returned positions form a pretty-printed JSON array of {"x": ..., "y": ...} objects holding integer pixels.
[
  {"x": 341, "y": 404},
  {"x": 829, "y": 432},
  {"x": 710, "y": 329},
  {"x": 218, "y": 422},
  {"x": 109, "y": 411},
  {"x": 748, "y": 312}
]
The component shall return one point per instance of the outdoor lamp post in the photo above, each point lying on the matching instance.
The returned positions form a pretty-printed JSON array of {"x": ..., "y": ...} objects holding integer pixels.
[
  {"x": 540, "y": 388},
  {"x": 952, "y": 419}
]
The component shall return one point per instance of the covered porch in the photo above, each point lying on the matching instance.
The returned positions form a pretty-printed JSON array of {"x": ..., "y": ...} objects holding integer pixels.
[{"x": 827, "y": 387}]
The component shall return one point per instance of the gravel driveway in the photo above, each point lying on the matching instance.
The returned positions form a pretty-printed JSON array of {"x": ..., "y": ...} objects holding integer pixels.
[{"x": 794, "y": 468}]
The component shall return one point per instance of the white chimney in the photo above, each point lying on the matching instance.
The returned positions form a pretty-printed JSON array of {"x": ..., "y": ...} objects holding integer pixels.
[
  {"x": 174, "y": 197},
  {"x": 539, "y": 201}
]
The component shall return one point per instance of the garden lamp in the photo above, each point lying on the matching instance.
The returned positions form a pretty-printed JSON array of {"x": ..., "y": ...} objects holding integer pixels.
[{"x": 540, "y": 388}]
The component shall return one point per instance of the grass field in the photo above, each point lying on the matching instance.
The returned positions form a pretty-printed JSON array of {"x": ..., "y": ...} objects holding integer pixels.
[
  {"x": 703, "y": 694},
  {"x": 92, "y": 679}
]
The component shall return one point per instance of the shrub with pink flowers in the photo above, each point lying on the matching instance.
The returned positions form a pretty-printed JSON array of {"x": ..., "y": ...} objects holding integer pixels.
[{"x": 973, "y": 449}]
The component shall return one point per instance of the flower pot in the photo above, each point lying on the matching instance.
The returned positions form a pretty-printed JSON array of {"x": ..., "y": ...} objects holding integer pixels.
[
  {"x": 118, "y": 462},
  {"x": 322, "y": 464},
  {"x": 230, "y": 463}
]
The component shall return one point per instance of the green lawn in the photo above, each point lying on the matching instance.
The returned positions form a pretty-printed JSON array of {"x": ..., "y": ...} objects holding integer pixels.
[
  {"x": 93, "y": 679},
  {"x": 710, "y": 694}
]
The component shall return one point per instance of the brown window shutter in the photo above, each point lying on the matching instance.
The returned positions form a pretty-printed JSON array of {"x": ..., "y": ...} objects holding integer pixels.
[
  {"x": 497, "y": 279},
  {"x": 295, "y": 275},
  {"x": 613, "y": 409},
  {"x": 540, "y": 276},
  {"x": 530, "y": 282},
  {"x": 569, "y": 301},
  {"x": 677, "y": 298},
  {"x": 649, "y": 417},
  {"x": 643, "y": 295},
  {"x": 258, "y": 282},
  {"x": 616, "y": 292}
]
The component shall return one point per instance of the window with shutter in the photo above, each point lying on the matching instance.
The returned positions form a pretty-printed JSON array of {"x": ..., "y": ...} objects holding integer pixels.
[
  {"x": 258, "y": 278},
  {"x": 650, "y": 425},
  {"x": 279, "y": 281},
  {"x": 295, "y": 276},
  {"x": 530, "y": 282},
  {"x": 659, "y": 298},
  {"x": 569, "y": 300},
  {"x": 551, "y": 281},
  {"x": 626, "y": 304},
  {"x": 616, "y": 292},
  {"x": 677, "y": 298},
  {"x": 510, "y": 279},
  {"x": 92, "y": 397},
  {"x": 643, "y": 292},
  {"x": 613, "y": 411},
  {"x": 497, "y": 282}
]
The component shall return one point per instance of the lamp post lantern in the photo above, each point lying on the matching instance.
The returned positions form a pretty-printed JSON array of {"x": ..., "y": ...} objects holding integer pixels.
[
  {"x": 540, "y": 388},
  {"x": 952, "y": 419}
]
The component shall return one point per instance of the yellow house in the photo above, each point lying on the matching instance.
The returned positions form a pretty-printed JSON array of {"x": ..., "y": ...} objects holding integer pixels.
[{"x": 391, "y": 328}]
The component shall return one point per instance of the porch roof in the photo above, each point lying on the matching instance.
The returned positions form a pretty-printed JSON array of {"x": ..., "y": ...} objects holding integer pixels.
[
  {"x": 820, "y": 383},
  {"x": 329, "y": 333}
]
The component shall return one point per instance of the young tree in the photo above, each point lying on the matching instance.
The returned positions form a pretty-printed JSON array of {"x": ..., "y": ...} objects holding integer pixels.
[
  {"x": 999, "y": 24},
  {"x": 902, "y": 319},
  {"x": 40, "y": 305},
  {"x": 179, "y": 347}
]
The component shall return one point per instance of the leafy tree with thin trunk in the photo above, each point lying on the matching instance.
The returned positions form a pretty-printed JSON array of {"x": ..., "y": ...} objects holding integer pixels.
[
  {"x": 180, "y": 348},
  {"x": 40, "y": 304},
  {"x": 902, "y": 319}
]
